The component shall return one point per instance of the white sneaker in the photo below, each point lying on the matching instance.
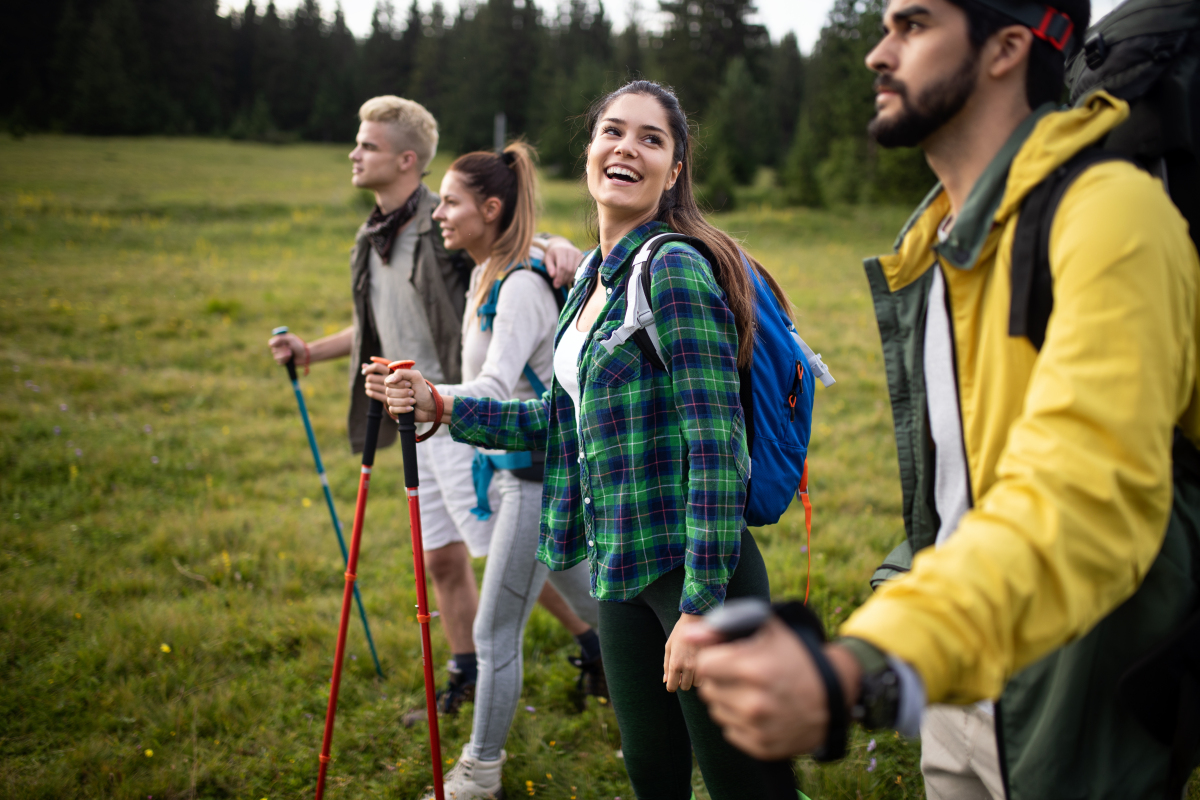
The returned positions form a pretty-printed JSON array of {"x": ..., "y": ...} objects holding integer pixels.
[{"x": 473, "y": 779}]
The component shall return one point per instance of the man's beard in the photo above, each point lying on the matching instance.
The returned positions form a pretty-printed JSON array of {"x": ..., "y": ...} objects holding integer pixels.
[{"x": 936, "y": 105}]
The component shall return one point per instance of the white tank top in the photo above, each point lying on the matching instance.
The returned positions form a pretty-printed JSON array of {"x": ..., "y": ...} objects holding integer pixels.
[{"x": 566, "y": 361}]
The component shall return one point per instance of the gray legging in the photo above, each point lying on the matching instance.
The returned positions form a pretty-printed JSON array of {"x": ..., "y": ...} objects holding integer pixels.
[{"x": 512, "y": 581}]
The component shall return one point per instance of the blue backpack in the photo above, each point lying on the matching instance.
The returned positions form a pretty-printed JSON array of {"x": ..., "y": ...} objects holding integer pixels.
[
  {"x": 776, "y": 390},
  {"x": 528, "y": 466}
]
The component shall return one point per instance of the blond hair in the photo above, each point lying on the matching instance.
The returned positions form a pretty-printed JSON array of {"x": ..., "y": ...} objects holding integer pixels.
[{"x": 413, "y": 127}]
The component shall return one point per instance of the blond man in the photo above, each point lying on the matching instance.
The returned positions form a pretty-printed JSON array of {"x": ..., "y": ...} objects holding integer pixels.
[{"x": 409, "y": 294}]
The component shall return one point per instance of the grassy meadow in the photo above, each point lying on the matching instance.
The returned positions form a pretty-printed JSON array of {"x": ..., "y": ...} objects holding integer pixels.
[{"x": 169, "y": 582}]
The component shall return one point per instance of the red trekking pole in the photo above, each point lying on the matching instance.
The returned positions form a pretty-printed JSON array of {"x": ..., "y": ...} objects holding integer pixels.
[
  {"x": 374, "y": 415},
  {"x": 407, "y": 426}
]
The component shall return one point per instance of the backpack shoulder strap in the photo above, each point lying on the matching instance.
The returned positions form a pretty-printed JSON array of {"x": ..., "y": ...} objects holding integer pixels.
[
  {"x": 487, "y": 309},
  {"x": 639, "y": 324},
  {"x": 1032, "y": 286}
]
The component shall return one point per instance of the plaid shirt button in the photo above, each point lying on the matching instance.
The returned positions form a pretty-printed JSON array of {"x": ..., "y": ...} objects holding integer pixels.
[{"x": 587, "y": 501}]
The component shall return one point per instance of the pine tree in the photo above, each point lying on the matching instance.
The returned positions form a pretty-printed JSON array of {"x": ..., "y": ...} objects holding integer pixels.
[
  {"x": 577, "y": 56},
  {"x": 110, "y": 66},
  {"x": 737, "y": 130},
  {"x": 699, "y": 42},
  {"x": 272, "y": 60},
  {"x": 333, "y": 110},
  {"x": 841, "y": 99},
  {"x": 799, "y": 178},
  {"x": 786, "y": 91},
  {"x": 432, "y": 62},
  {"x": 387, "y": 54}
]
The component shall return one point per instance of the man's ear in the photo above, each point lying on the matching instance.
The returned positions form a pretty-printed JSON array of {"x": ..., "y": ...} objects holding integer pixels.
[
  {"x": 408, "y": 160},
  {"x": 1006, "y": 50}
]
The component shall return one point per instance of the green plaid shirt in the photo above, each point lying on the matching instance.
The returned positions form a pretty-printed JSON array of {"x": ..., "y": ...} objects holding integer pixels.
[{"x": 653, "y": 473}]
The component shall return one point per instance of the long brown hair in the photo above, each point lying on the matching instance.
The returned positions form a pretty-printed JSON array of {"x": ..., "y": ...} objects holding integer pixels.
[
  {"x": 511, "y": 177},
  {"x": 677, "y": 208}
]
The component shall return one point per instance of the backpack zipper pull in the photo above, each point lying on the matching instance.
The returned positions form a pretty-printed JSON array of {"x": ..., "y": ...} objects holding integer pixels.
[{"x": 797, "y": 390}]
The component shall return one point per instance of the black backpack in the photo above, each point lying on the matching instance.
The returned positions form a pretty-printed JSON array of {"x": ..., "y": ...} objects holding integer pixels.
[{"x": 1146, "y": 52}]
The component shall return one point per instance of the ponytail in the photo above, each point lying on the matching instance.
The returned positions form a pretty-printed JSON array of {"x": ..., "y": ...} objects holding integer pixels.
[{"x": 511, "y": 177}]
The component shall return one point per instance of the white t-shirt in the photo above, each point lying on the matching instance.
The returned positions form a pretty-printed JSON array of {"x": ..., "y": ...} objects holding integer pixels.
[{"x": 398, "y": 310}]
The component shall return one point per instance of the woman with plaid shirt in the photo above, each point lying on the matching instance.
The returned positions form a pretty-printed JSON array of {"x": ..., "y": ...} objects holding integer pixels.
[{"x": 646, "y": 469}]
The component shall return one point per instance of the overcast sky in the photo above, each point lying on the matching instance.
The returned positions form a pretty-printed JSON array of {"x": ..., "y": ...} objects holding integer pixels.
[{"x": 804, "y": 17}]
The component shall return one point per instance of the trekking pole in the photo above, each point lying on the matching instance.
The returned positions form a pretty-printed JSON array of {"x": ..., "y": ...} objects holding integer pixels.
[
  {"x": 337, "y": 523},
  {"x": 374, "y": 414},
  {"x": 407, "y": 426}
]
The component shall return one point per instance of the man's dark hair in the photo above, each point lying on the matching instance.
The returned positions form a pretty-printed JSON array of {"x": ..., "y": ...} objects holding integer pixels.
[{"x": 1047, "y": 66}]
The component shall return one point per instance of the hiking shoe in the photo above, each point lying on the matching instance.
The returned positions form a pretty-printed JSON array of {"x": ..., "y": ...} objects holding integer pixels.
[
  {"x": 591, "y": 680},
  {"x": 457, "y": 692},
  {"x": 473, "y": 779},
  {"x": 449, "y": 700}
]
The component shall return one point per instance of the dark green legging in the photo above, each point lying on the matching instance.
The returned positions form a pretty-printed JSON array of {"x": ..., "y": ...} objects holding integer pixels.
[{"x": 659, "y": 730}]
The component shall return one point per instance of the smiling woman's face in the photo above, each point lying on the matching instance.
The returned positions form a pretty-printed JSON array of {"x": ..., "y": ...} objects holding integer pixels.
[
  {"x": 631, "y": 159},
  {"x": 463, "y": 220}
]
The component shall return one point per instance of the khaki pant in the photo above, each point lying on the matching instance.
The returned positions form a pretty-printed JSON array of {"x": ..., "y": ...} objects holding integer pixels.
[{"x": 959, "y": 759}]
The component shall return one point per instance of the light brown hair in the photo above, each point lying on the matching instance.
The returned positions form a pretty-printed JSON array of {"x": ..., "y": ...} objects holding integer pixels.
[{"x": 511, "y": 177}]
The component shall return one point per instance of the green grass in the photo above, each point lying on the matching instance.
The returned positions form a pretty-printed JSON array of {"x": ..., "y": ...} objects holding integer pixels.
[{"x": 169, "y": 582}]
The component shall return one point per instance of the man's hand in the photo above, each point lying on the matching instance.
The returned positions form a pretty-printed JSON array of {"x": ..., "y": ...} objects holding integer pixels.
[
  {"x": 405, "y": 390},
  {"x": 679, "y": 657},
  {"x": 765, "y": 691},
  {"x": 562, "y": 259},
  {"x": 285, "y": 347}
]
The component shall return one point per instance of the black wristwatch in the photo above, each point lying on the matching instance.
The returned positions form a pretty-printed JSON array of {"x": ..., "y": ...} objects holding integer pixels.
[
  {"x": 807, "y": 626},
  {"x": 878, "y": 703}
]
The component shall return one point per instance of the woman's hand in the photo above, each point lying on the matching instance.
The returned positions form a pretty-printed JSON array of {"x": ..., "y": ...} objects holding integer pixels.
[
  {"x": 561, "y": 260},
  {"x": 375, "y": 374},
  {"x": 405, "y": 390},
  {"x": 679, "y": 659}
]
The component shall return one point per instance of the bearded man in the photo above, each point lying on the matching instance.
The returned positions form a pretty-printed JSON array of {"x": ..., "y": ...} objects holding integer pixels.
[{"x": 1045, "y": 456}]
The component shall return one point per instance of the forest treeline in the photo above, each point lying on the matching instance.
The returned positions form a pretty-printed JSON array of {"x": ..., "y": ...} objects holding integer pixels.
[{"x": 180, "y": 67}]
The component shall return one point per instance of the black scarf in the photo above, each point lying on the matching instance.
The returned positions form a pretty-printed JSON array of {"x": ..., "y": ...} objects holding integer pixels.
[{"x": 382, "y": 228}]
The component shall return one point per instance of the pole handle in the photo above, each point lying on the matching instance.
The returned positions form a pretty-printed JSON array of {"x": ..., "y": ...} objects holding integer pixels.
[
  {"x": 374, "y": 415},
  {"x": 406, "y": 425},
  {"x": 291, "y": 362}
]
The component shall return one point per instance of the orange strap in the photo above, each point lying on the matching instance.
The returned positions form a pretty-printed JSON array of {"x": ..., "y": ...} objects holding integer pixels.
[
  {"x": 423, "y": 618},
  {"x": 802, "y": 493},
  {"x": 324, "y": 759}
]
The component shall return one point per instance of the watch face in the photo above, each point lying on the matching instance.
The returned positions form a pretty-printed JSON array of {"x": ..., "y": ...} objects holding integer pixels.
[{"x": 879, "y": 700}]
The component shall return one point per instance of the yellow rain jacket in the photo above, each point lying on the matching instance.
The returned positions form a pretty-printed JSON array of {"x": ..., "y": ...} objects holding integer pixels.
[{"x": 1069, "y": 450}]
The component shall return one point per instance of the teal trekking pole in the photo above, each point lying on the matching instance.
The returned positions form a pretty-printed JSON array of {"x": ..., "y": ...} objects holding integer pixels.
[{"x": 337, "y": 525}]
